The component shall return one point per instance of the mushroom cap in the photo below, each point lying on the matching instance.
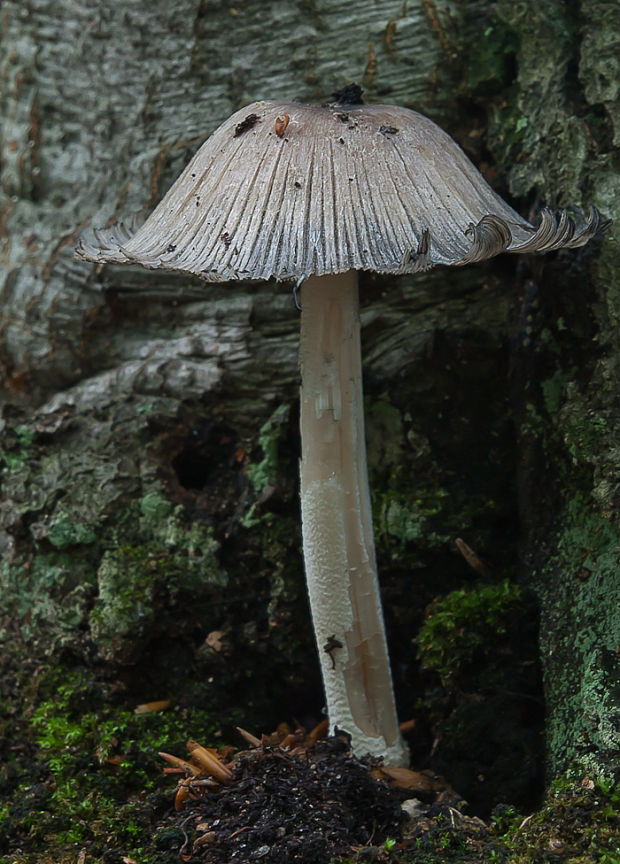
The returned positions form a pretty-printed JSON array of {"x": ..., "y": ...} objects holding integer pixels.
[{"x": 284, "y": 191}]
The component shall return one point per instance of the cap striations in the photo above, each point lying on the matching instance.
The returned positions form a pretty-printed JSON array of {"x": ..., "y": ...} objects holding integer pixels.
[{"x": 284, "y": 191}]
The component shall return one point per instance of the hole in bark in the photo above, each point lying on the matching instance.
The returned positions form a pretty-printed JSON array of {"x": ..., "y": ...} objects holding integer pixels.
[
  {"x": 203, "y": 463},
  {"x": 192, "y": 467}
]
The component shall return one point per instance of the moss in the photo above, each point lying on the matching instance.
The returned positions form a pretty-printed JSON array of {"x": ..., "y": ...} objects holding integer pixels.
[
  {"x": 579, "y": 823},
  {"x": 84, "y": 550},
  {"x": 96, "y": 780},
  {"x": 465, "y": 625},
  {"x": 385, "y": 433},
  {"x": 423, "y": 495},
  {"x": 403, "y": 519},
  {"x": 404, "y": 504},
  {"x": 553, "y": 392},
  {"x": 584, "y": 434}
]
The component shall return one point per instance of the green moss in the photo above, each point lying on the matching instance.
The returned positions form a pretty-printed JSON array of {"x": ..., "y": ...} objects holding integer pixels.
[
  {"x": 553, "y": 392},
  {"x": 384, "y": 433},
  {"x": 532, "y": 424},
  {"x": 98, "y": 779},
  {"x": 54, "y": 591},
  {"x": 404, "y": 503},
  {"x": 465, "y": 624},
  {"x": 125, "y": 582},
  {"x": 579, "y": 823},
  {"x": 401, "y": 518},
  {"x": 422, "y": 496}
]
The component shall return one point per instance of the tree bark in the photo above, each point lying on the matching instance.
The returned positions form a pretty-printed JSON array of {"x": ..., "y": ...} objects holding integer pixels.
[{"x": 132, "y": 402}]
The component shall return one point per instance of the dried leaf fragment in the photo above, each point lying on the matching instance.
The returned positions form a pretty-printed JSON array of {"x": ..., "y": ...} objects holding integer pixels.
[
  {"x": 204, "y": 839},
  {"x": 252, "y": 740},
  {"x": 319, "y": 732},
  {"x": 188, "y": 768},
  {"x": 421, "y": 781},
  {"x": 209, "y": 762},
  {"x": 183, "y": 795},
  {"x": 214, "y": 640},
  {"x": 152, "y": 707},
  {"x": 470, "y": 556},
  {"x": 281, "y": 124}
]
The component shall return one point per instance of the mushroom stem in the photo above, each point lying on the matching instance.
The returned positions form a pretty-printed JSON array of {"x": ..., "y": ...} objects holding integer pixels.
[{"x": 338, "y": 539}]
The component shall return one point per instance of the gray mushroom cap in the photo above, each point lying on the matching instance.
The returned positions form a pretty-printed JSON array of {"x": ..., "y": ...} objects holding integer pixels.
[{"x": 284, "y": 191}]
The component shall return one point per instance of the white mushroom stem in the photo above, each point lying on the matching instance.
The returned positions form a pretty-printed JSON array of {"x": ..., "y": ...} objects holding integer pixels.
[{"x": 338, "y": 538}]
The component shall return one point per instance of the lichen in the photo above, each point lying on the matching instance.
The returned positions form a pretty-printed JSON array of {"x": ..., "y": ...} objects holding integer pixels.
[
  {"x": 52, "y": 594},
  {"x": 262, "y": 474},
  {"x": 136, "y": 583},
  {"x": 577, "y": 676},
  {"x": 491, "y": 56},
  {"x": 63, "y": 532},
  {"x": 14, "y": 455},
  {"x": 599, "y": 66}
]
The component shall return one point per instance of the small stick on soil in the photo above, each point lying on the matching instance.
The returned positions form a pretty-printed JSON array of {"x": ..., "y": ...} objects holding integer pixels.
[{"x": 252, "y": 740}]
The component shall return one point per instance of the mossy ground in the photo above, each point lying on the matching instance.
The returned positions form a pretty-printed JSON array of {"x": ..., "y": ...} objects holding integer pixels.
[
  {"x": 80, "y": 771},
  {"x": 80, "y": 775},
  {"x": 578, "y": 823}
]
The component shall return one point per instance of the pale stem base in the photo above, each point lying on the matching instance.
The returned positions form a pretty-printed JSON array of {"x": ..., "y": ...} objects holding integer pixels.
[{"x": 338, "y": 538}]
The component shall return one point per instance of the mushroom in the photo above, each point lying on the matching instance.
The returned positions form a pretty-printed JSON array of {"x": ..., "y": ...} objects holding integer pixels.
[{"x": 313, "y": 194}]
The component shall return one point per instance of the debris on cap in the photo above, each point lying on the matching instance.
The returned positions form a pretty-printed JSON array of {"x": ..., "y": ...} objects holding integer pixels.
[{"x": 284, "y": 191}]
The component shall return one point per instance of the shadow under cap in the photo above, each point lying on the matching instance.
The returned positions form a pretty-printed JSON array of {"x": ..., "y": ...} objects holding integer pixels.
[{"x": 284, "y": 191}]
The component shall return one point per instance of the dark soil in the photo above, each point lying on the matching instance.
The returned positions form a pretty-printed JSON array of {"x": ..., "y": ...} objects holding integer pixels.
[{"x": 282, "y": 809}]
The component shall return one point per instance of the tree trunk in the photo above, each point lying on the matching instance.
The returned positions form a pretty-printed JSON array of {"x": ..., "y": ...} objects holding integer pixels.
[{"x": 149, "y": 440}]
